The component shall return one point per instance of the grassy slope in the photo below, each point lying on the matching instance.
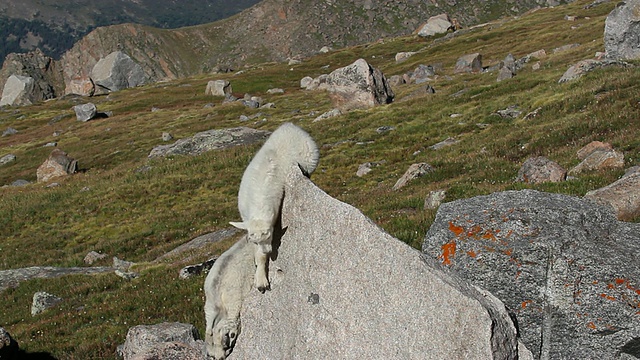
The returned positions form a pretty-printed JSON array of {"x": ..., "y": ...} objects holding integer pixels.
[{"x": 137, "y": 216}]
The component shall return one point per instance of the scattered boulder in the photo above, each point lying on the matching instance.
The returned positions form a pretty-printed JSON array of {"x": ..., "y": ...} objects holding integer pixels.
[
  {"x": 8, "y": 346},
  {"x": 18, "y": 91},
  {"x": 210, "y": 140},
  {"x": 623, "y": 196},
  {"x": 384, "y": 129},
  {"x": 415, "y": 171},
  {"x": 347, "y": 305},
  {"x": 7, "y": 159},
  {"x": 564, "y": 48},
  {"x": 58, "y": 164},
  {"x": 81, "y": 86},
  {"x": 396, "y": 80},
  {"x": 85, "y": 112},
  {"x": 167, "y": 136},
  {"x": 565, "y": 267},
  {"x": 438, "y": 24},
  {"x": 218, "y": 88},
  {"x": 10, "y": 131},
  {"x": 163, "y": 341},
  {"x": 92, "y": 257},
  {"x": 117, "y": 71},
  {"x": 622, "y": 31},
  {"x": 471, "y": 63},
  {"x": 434, "y": 199},
  {"x": 358, "y": 86},
  {"x": 591, "y": 147},
  {"x": 539, "y": 169},
  {"x": 44, "y": 70},
  {"x": 402, "y": 56},
  {"x": 444, "y": 143},
  {"x": 275, "y": 91},
  {"x": 305, "y": 82},
  {"x": 507, "y": 68},
  {"x": 329, "y": 114},
  {"x": 600, "y": 159},
  {"x": 20, "y": 182},
  {"x": 319, "y": 83},
  {"x": 511, "y": 112},
  {"x": 422, "y": 73},
  {"x": 122, "y": 265},
  {"x": 582, "y": 67},
  {"x": 325, "y": 49},
  {"x": 43, "y": 301},
  {"x": 13, "y": 277},
  {"x": 364, "y": 169},
  {"x": 419, "y": 92}
]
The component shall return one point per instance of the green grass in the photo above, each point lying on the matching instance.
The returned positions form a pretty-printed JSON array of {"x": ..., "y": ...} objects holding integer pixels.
[{"x": 113, "y": 208}]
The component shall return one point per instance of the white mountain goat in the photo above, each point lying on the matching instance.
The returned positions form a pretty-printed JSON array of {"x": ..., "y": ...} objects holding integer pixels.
[
  {"x": 228, "y": 282},
  {"x": 262, "y": 188}
]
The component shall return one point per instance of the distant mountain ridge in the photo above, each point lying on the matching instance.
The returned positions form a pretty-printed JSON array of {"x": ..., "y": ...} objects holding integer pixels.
[{"x": 55, "y": 25}]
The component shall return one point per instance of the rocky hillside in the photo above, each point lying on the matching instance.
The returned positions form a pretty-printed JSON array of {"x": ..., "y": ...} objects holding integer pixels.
[{"x": 53, "y": 26}]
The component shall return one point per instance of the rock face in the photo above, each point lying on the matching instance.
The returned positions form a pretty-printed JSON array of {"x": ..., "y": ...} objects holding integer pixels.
[
  {"x": 358, "y": 86},
  {"x": 58, "y": 164},
  {"x": 163, "y": 341},
  {"x": 622, "y": 31},
  {"x": 117, "y": 71},
  {"x": 539, "y": 169},
  {"x": 210, "y": 140},
  {"x": 564, "y": 267},
  {"x": 44, "y": 71},
  {"x": 344, "y": 289},
  {"x": 18, "y": 90}
]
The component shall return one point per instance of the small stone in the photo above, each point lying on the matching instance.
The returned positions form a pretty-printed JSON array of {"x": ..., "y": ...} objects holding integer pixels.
[
  {"x": 92, "y": 257},
  {"x": 166, "y": 136},
  {"x": 43, "y": 301},
  {"x": 434, "y": 199},
  {"x": 415, "y": 171}
]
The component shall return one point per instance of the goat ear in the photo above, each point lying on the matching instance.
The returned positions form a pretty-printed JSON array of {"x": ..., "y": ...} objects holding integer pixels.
[{"x": 239, "y": 225}]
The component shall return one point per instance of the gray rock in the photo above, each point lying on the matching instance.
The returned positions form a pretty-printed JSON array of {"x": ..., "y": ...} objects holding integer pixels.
[
  {"x": 564, "y": 48},
  {"x": 81, "y": 86},
  {"x": 199, "y": 242},
  {"x": 275, "y": 91},
  {"x": 344, "y": 289},
  {"x": 565, "y": 268},
  {"x": 122, "y": 265},
  {"x": 117, "y": 71},
  {"x": 18, "y": 90},
  {"x": 58, "y": 164},
  {"x": 20, "y": 182},
  {"x": 305, "y": 81},
  {"x": 127, "y": 275},
  {"x": 210, "y": 140},
  {"x": 402, "y": 56},
  {"x": 471, "y": 63},
  {"x": 600, "y": 159},
  {"x": 358, "y": 86},
  {"x": 438, "y": 24},
  {"x": 622, "y": 31},
  {"x": 144, "y": 340},
  {"x": 415, "y": 171},
  {"x": 329, "y": 114},
  {"x": 384, "y": 129},
  {"x": 422, "y": 73},
  {"x": 623, "y": 195},
  {"x": 7, "y": 159},
  {"x": 539, "y": 169},
  {"x": 434, "y": 199},
  {"x": 85, "y": 112},
  {"x": 9, "y": 131},
  {"x": 511, "y": 112},
  {"x": 8, "y": 346},
  {"x": 166, "y": 136},
  {"x": 218, "y": 88},
  {"x": 591, "y": 147},
  {"x": 396, "y": 80},
  {"x": 364, "y": 169},
  {"x": 43, "y": 301},
  {"x": 13, "y": 277},
  {"x": 195, "y": 270},
  {"x": 92, "y": 257},
  {"x": 582, "y": 67},
  {"x": 444, "y": 143}
]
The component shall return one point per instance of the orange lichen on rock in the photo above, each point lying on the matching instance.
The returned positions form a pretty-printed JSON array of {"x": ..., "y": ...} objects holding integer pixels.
[
  {"x": 457, "y": 230},
  {"x": 620, "y": 281},
  {"x": 448, "y": 251},
  {"x": 526, "y": 303},
  {"x": 472, "y": 253},
  {"x": 591, "y": 325},
  {"x": 608, "y": 297}
]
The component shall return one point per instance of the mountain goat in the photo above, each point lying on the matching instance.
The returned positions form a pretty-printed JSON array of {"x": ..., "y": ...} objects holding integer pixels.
[
  {"x": 262, "y": 188},
  {"x": 226, "y": 285}
]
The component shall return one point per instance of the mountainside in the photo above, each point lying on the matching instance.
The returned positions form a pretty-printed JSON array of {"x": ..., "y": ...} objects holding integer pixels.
[
  {"x": 273, "y": 30},
  {"x": 53, "y": 26}
]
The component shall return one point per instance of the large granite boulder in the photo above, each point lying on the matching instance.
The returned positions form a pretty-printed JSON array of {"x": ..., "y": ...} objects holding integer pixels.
[
  {"x": 58, "y": 164},
  {"x": 565, "y": 267},
  {"x": 470, "y": 63},
  {"x": 218, "y": 88},
  {"x": 117, "y": 71},
  {"x": 163, "y": 341},
  {"x": 622, "y": 31},
  {"x": 539, "y": 169},
  {"x": 45, "y": 72},
  {"x": 438, "y": 24},
  {"x": 18, "y": 90},
  {"x": 341, "y": 288},
  {"x": 623, "y": 195},
  {"x": 210, "y": 140},
  {"x": 358, "y": 86}
]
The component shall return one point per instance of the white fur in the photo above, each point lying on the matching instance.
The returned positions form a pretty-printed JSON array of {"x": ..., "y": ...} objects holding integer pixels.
[
  {"x": 262, "y": 188},
  {"x": 226, "y": 285}
]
